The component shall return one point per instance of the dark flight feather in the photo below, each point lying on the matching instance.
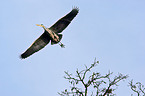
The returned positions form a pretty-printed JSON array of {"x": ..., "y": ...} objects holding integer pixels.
[
  {"x": 40, "y": 43},
  {"x": 62, "y": 23}
]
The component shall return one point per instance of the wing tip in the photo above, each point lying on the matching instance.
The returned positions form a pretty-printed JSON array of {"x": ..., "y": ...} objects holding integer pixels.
[
  {"x": 23, "y": 56},
  {"x": 75, "y": 9}
]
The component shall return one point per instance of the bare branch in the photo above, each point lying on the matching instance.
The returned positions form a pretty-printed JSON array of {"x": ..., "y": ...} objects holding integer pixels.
[
  {"x": 95, "y": 80},
  {"x": 137, "y": 88},
  {"x": 114, "y": 82}
]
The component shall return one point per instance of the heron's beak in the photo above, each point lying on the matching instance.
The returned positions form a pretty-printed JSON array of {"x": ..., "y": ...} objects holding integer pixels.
[{"x": 39, "y": 25}]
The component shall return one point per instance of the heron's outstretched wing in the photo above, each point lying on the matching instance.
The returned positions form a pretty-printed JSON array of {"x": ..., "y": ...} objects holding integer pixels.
[
  {"x": 41, "y": 42},
  {"x": 62, "y": 23}
]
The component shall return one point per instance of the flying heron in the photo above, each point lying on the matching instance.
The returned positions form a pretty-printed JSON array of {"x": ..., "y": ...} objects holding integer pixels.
[{"x": 51, "y": 34}]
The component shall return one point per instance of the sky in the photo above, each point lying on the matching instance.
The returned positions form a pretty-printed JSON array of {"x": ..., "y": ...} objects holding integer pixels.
[{"x": 112, "y": 31}]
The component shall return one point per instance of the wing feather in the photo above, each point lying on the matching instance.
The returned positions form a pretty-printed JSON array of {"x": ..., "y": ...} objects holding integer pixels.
[
  {"x": 62, "y": 23},
  {"x": 40, "y": 43}
]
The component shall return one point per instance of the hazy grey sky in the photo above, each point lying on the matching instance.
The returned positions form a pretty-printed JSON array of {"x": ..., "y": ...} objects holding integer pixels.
[{"x": 113, "y": 31}]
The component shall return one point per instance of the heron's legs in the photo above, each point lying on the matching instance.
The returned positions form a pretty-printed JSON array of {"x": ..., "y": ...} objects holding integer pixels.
[{"x": 61, "y": 45}]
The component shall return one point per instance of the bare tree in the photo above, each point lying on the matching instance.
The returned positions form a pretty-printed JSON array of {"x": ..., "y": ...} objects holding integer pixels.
[
  {"x": 138, "y": 88},
  {"x": 102, "y": 84}
]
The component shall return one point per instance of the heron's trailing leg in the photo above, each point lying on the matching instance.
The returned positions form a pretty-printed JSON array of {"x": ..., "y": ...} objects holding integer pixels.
[{"x": 61, "y": 45}]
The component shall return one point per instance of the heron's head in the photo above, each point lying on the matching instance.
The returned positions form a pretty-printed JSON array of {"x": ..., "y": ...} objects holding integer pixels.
[{"x": 42, "y": 26}]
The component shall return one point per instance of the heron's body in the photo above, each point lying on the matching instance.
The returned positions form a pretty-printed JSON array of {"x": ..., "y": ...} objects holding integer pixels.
[
  {"x": 54, "y": 37},
  {"x": 51, "y": 34}
]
